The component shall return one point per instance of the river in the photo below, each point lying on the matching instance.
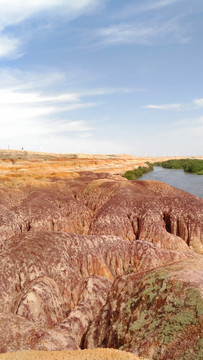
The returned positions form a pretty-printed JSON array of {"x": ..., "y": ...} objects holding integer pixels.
[{"x": 191, "y": 183}]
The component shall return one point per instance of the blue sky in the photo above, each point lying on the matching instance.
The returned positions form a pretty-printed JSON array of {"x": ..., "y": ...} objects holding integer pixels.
[{"x": 102, "y": 76}]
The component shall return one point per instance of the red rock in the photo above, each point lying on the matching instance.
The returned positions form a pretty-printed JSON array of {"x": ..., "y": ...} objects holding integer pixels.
[
  {"x": 58, "y": 283},
  {"x": 17, "y": 333},
  {"x": 147, "y": 210},
  {"x": 155, "y": 314},
  {"x": 99, "y": 204},
  {"x": 64, "y": 244}
]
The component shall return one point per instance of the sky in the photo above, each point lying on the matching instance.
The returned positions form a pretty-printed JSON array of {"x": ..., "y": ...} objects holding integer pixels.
[{"x": 102, "y": 76}]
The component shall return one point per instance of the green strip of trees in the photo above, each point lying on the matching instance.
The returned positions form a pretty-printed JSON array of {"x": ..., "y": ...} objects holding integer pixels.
[
  {"x": 137, "y": 173},
  {"x": 189, "y": 165}
]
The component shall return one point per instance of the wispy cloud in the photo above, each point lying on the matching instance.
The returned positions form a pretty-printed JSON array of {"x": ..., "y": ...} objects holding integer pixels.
[
  {"x": 14, "y": 12},
  {"x": 183, "y": 137},
  {"x": 145, "y": 6},
  {"x": 187, "y": 122},
  {"x": 199, "y": 102},
  {"x": 29, "y": 111},
  {"x": 187, "y": 128},
  {"x": 139, "y": 33},
  {"x": 110, "y": 91},
  {"x": 9, "y": 46},
  {"x": 164, "y": 106},
  {"x": 158, "y": 4},
  {"x": 9, "y": 96},
  {"x": 139, "y": 24}
]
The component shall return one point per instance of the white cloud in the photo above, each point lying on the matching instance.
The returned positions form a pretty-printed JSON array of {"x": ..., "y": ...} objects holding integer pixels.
[
  {"x": 144, "y": 33},
  {"x": 164, "y": 106},
  {"x": 183, "y": 138},
  {"x": 187, "y": 132},
  {"x": 31, "y": 118},
  {"x": 13, "y": 12},
  {"x": 30, "y": 112},
  {"x": 109, "y": 91},
  {"x": 200, "y": 120},
  {"x": 9, "y": 46},
  {"x": 16, "y": 80},
  {"x": 158, "y": 4},
  {"x": 144, "y": 7},
  {"x": 124, "y": 33},
  {"x": 85, "y": 135},
  {"x": 67, "y": 126},
  {"x": 145, "y": 27},
  {"x": 9, "y": 96},
  {"x": 199, "y": 102}
]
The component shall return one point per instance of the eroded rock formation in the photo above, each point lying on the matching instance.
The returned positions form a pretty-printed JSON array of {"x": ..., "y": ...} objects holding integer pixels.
[
  {"x": 156, "y": 314},
  {"x": 98, "y": 204},
  {"x": 60, "y": 281},
  {"x": 101, "y": 261}
]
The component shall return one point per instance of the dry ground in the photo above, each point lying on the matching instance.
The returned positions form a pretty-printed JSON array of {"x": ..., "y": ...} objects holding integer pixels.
[
  {"x": 96, "y": 354},
  {"x": 22, "y": 166}
]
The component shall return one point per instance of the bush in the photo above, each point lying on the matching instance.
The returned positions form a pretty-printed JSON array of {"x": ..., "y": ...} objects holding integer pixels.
[
  {"x": 137, "y": 173},
  {"x": 189, "y": 165}
]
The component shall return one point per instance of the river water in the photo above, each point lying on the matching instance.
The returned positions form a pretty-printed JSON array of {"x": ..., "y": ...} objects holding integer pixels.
[{"x": 191, "y": 183}]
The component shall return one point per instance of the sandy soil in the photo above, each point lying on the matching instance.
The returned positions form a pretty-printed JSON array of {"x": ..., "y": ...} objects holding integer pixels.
[
  {"x": 96, "y": 354},
  {"x": 24, "y": 166}
]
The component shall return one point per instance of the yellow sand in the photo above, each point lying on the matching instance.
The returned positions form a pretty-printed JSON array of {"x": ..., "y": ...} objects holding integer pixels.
[{"x": 96, "y": 354}]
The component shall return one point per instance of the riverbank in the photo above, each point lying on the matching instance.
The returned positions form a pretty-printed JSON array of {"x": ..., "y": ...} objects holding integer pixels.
[{"x": 194, "y": 166}]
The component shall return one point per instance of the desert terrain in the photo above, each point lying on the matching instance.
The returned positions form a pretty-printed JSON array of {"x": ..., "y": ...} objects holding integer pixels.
[
  {"x": 26, "y": 165},
  {"x": 96, "y": 264},
  {"x": 97, "y": 354}
]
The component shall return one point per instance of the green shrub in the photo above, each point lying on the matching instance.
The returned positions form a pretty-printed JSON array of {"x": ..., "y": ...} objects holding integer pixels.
[
  {"x": 137, "y": 173},
  {"x": 194, "y": 166}
]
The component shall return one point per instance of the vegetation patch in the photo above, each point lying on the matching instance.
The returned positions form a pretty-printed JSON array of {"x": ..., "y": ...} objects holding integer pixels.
[
  {"x": 119, "y": 330},
  {"x": 175, "y": 323},
  {"x": 140, "y": 322},
  {"x": 160, "y": 310},
  {"x": 137, "y": 173},
  {"x": 195, "y": 353},
  {"x": 194, "y": 166}
]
